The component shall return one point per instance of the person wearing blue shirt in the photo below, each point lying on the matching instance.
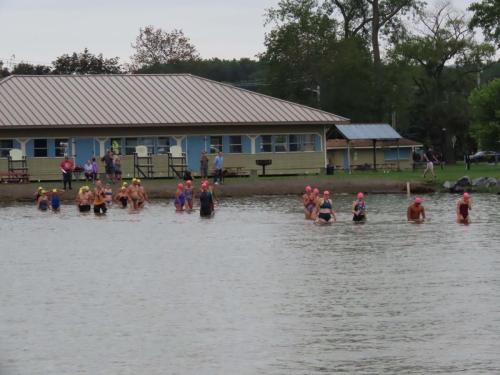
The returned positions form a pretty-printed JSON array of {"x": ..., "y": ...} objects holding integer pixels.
[{"x": 219, "y": 165}]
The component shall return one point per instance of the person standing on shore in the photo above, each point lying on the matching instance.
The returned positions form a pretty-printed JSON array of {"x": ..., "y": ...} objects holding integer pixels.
[
  {"x": 219, "y": 165},
  {"x": 416, "y": 211},
  {"x": 117, "y": 166},
  {"x": 204, "y": 165},
  {"x": 95, "y": 170},
  {"x": 88, "y": 171},
  {"x": 430, "y": 158},
  {"x": 67, "y": 171},
  {"x": 109, "y": 166},
  {"x": 464, "y": 205}
]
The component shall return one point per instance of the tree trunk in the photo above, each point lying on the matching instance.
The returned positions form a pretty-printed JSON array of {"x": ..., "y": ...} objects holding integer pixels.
[{"x": 375, "y": 32}]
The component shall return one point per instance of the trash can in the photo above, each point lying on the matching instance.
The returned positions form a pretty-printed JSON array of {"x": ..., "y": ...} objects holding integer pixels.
[{"x": 330, "y": 169}]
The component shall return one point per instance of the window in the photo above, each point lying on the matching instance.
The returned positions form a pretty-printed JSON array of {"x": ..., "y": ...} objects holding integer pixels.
[
  {"x": 61, "y": 147},
  {"x": 163, "y": 146},
  {"x": 296, "y": 142},
  {"x": 215, "y": 144},
  {"x": 280, "y": 143},
  {"x": 116, "y": 145},
  {"x": 235, "y": 144},
  {"x": 309, "y": 142},
  {"x": 148, "y": 142},
  {"x": 40, "y": 148},
  {"x": 302, "y": 142},
  {"x": 266, "y": 143},
  {"x": 5, "y": 146},
  {"x": 130, "y": 144}
]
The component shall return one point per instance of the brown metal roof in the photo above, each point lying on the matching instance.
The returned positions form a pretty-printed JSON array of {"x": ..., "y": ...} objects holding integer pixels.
[
  {"x": 142, "y": 100},
  {"x": 342, "y": 143}
]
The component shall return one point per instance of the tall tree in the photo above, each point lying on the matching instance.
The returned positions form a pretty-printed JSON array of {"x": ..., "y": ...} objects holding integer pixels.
[
  {"x": 85, "y": 63},
  {"x": 156, "y": 46},
  {"x": 446, "y": 57},
  {"x": 487, "y": 17},
  {"x": 485, "y": 104},
  {"x": 4, "y": 72},
  {"x": 26, "y": 68}
]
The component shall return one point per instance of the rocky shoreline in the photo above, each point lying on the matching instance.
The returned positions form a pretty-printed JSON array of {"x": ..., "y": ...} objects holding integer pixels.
[{"x": 465, "y": 183}]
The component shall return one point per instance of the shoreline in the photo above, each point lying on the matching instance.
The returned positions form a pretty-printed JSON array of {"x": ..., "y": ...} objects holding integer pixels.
[{"x": 233, "y": 188}]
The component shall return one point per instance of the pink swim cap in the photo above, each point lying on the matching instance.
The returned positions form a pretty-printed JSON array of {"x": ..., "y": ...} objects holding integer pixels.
[
  {"x": 188, "y": 182},
  {"x": 466, "y": 195},
  {"x": 316, "y": 191},
  {"x": 180, "y": 186},
  {"x": 308, "y": 188},
  {"x": 418, "y": 200},
  {"x": 326, "y": 192},
  {"x": 204, "y": 185},
  {"x": 360, "y": 195}
]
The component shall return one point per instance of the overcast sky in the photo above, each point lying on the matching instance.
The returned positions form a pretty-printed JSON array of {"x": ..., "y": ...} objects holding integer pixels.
[{"x": 37, "y": 31}]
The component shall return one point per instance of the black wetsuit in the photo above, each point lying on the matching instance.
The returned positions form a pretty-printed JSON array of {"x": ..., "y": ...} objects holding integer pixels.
[{"x": 206, "y": 204}]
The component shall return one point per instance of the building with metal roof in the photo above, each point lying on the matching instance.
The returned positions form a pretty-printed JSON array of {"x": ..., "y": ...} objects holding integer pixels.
[
  {"x": 378, "y": 136},
  {"x": 85, "y": 115}
]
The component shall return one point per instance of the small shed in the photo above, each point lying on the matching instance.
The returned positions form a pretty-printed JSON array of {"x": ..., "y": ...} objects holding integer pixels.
[{"x": 371, "y": 132}]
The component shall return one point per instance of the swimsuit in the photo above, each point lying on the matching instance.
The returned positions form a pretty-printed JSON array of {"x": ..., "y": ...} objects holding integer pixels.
[
  {"x": 84, "y": 207},
  {"x": 180, "y": 199},
  {"x": 189, "y": 194},
  {"x": 56, "y": 202},
  {"x": 464, "y": 210},
  {"x": 323, "y": 215},
  {"x": 43, "y": 205},
  {"x": 361, "y": 207},
  {"x": 123, "y": 201}
]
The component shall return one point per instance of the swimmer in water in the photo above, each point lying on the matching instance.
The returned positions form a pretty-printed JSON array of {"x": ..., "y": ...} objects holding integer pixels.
[
  {"x": 43, "y": 201},
  {"x": 108, "y": 192},
  {"x": 143, "y": 196},
  {"x": 206, "y": 201},
  {"x": 309, "y": 202},
  {"x": 38, "y": 193},
  {"x": 122, "y": 197},
  {"x": 325, "y": 209},
  {"x": 83, "y": 199},
  {"x": 134, "y": 195},
  {"x": 55, "y": 200},
  {"x": 189, "y": 195},
  {"x": 359, "y": 209},
  {"x": 416, "y": 211},
  {"x": 464, "y": 205},
  {"x": 180, "y": 198},
  {"x": 99, "y": 199}
]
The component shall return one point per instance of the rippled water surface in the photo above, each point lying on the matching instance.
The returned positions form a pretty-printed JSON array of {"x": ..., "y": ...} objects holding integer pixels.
[{"x": 255, "y": 290}]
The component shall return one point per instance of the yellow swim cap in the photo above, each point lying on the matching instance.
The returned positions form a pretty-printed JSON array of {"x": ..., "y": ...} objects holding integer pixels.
[
  {"x": 54, "y": 190},
  {"x": 40, "y": 188}
]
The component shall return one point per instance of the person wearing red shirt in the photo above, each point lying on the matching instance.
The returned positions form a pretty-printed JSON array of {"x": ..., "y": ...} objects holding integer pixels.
[{"x": 67, "y": 171}]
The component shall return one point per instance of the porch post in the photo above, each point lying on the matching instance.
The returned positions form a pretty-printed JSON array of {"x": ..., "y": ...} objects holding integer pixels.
[
  {"x": 349, "y": 156},
  {"x": 374, "y": 154},
  {"x": 398, "y": 155}
]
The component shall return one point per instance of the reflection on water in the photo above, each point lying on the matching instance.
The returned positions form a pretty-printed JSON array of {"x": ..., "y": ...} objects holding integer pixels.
[{"x": 255, "y": 290}]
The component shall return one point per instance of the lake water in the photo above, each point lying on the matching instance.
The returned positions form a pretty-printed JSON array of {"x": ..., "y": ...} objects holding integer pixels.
[{"x": 255, "y": 290}]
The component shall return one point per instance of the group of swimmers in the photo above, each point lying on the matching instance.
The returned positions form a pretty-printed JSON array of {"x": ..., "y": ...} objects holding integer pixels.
[
  {"x": 320, "y": 209},
  {"x": 185, "y": 195},
  {"x": 133, "y": 196}
]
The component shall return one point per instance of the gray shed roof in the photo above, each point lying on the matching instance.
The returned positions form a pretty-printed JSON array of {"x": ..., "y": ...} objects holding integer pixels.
[
  {"x": 368, "y": 131},
  {"x": 142, "y": 100}
]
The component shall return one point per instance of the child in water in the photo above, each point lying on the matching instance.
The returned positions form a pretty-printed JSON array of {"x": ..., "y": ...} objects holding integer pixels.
[
  {"x": 55, "y": 200},
  {"x": 122, "y": 197},
  {"x": 189, "y": 195},
  {"x": 43, "y": 201},
  {"x": 180, "y": 198},
  {"x": 108, "y": 192}
]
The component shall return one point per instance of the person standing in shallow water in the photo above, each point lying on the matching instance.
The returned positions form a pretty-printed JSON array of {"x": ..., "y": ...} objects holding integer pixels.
[
  {"x": 464, "y": 205},
  {"x": 416, "y": 211},
  {"x": 206, "y": 201},
  {"x": 309, "y": 202},
  {"x": 359, "y": 209},
  {"x": 99, "y": 198},
  {"x": 325, "y": 209}
]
